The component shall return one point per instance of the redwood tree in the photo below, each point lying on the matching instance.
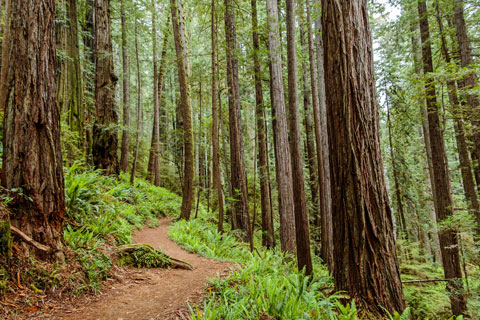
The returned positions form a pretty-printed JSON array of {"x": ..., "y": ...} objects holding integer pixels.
[
  {"x": 282, "y": 153},
  {"x": 301, "y": 218},
  {"x": 32, "y": 159},
  {"x": 126, "y": 92},
  {"x": 442, "y": 189},
  {"x": 186, "y": 106},
  {"x": 364, "y": 261},
  {"x": 217, "y": 181},
  {"x": 105, "y": 139},
  {"x": 267, "y": 226},
  {"x": 239, "y": 181}
]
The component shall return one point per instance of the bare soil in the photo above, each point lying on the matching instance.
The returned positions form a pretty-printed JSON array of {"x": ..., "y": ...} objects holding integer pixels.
[{"x": 147, "y": 293}]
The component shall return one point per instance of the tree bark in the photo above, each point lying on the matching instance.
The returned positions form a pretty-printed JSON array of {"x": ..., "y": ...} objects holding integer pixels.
[
  {"x": 284, "y": 167},
  {"x": 267, "y": 227},
  {"x": 217, "y": 180},
  {"x": 139, "y": 107},
  {"x": 364, "y": 264},
  {"x": 325, "y": 202},
  {"x": 157, "y": 126},
  {"x": 186, "y": 106},
  {"x": 309, "y": 140},
  {"x": 398, "y": 193},
  {"x": 32, "y": 159},
  {"x": 442, "y": 191},
  {"x": 417, "y": 61},
  {"x": 126, "y": 93},
  {"x": 301, "y": 218},
  {"x": 155, "y": 174},
  {"x": 239, "y": 180},
  {"x": 89, "y": 64},
  {"x": 105, "y": 139}
]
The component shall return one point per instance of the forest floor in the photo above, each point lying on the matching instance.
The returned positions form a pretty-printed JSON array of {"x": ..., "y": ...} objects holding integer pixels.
[{"x": 147, "y": 293}]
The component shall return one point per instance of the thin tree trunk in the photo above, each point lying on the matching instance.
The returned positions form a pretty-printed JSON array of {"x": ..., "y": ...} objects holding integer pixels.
[
  {"x": 301, "y": 218},
  {"x": 237, "y": 162},
  {"x": 157, "y": 127},
  {"x": 89, "y": 65},
  {"x": 155, "y": 148},
  {"x": 325, "y": 215},
  {"x": 105, "y": 139},
  {"x": 426, "y": 137},
  {"x": 32, "y": 158},
  {"x": 186, "y": 106},
  {"x": 309, "y": 138},
  {"x": 267, "y": 227},
  {"x": 364, "y": 265},
  {"x": 217, "y": 180},
  {"x": 126, "y": 93},
  {"x": 284, "y": 167},
  {"x": 396, "y": 181},
  {"x": 139, "y": 106},
  {"x": 442, "y": 191}
]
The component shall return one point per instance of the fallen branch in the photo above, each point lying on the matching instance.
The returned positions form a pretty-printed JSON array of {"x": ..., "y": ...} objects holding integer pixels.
[
  {"x": 30, "y": 241},
  {"x": 425, "y": 280}
]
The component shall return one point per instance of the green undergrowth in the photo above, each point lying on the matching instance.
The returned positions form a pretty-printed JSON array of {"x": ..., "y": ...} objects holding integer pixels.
[
  {"x": 262, "y": 285},
  {"x": 103, "y": 212}
]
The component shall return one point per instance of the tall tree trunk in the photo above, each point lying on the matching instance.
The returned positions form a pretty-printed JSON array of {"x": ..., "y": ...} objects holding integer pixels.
[
  {"x": 32, "y": 159},
  {"x": 462, "y": 147},
  {"x": 161, "y": 83},
  {"x": 217, "y": 180},
  {"x": 308, "y": 123},
  {"x": 105, "y": 139},
  {"x": 301, "y": 218},
  {"x": 468, "y": 82},
  {"x": 237, "y": 163},
  {"x": 186, "y": 106},
  {"x": 398, "y": 193},
  {"x": 284, "y": 167},
  {"x": 157, "y": 127},
  {"x": 89, "y": 66},
  {"x": 325, "y": 202},
  {"x": 139, "y": 106},
  {"x": 364, "y": 265},
  {"x": 76, "y": 108},
  {"x": 267, "y": 227},
  {"x": 442, "y": 191},
  {"x": 155, "y": 174},
  {"x": 126, "y": 93},
  {"x": 69, "y": 92},
  {"x": 417, "y": 61}
]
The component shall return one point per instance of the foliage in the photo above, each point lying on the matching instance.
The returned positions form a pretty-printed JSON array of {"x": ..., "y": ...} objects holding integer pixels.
[
  {"x": 103, "y": 212},
  {"x": 266, "y": 284}
]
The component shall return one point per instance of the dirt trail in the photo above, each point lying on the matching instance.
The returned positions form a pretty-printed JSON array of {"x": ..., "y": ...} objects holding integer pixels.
[{"x": 152, "y": 293}]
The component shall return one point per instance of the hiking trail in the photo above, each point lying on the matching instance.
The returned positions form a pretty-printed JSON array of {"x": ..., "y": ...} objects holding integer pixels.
[{"x": 148, "y": 293}]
